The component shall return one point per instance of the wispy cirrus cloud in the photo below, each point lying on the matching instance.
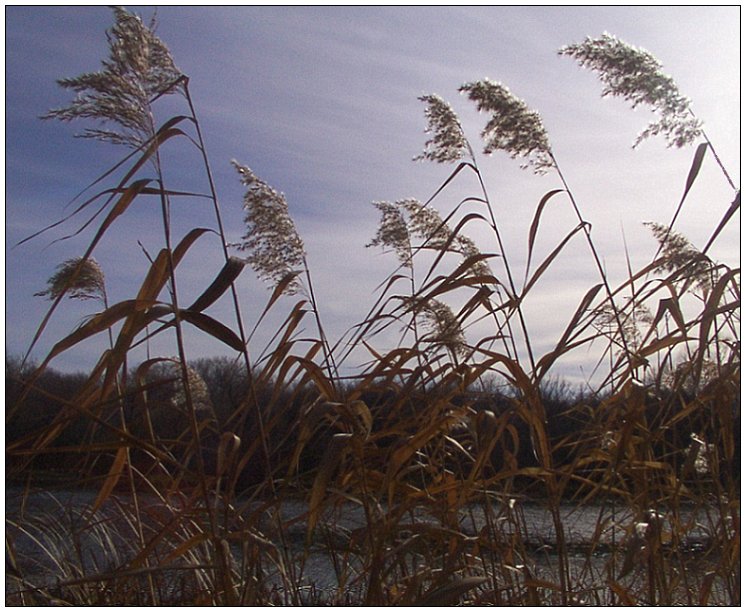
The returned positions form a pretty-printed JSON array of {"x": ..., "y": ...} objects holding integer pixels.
[{"x": 322, "y": 103}]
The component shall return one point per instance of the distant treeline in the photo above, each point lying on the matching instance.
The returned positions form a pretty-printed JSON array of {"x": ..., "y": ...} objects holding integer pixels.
[{"x": 153, "y": 409}]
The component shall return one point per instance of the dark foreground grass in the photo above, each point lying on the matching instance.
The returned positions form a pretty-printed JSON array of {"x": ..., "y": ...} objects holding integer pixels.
[{"x": 418, "y": 479}]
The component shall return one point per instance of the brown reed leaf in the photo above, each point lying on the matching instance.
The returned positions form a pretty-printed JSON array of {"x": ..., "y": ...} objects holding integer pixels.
[
  {"x": 535, "y": 224},
  {"x": 671, "y": 306},
  {"x": 550, "y": 258},
  {"x": 734, "y": 206},
  {"x": 546, "y": 362},
  {"x": 335, "y": 451},
  {"x": 112, "y": 478},
  {"x": 103, "y": 321},
  {"x": 214, "y": 328}
]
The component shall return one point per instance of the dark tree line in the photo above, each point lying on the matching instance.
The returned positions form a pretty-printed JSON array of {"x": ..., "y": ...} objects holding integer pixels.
[{"x": 576, "y": 423}]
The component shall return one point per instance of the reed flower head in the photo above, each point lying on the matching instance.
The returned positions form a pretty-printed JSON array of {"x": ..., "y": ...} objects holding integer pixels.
[
  {"x": 139, "y": 67},
  {"x": 393, "y": 232},
  {"x": 623, "y": 326},
  {"x": 513, "y": 127},
  {"x": 275, "y": 250},
  {"x": 81, "y": 279},
  {"x": 635, "y": 75},
  {"x": 425, "y": 223},
  {"x": 445, "y": 328},
  {"x": 406, "y": 220},
  {"x": 682, "y": 258},
  {"x": 200, "y": 394},
  {"x": 448, "y": 142}
]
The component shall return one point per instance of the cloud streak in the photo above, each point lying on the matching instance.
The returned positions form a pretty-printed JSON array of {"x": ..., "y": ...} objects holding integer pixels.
[{"x": 322, "y": 104}]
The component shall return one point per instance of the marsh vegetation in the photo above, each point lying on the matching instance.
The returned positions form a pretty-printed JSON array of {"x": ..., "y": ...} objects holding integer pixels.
[{"x": 418, "y": 478}]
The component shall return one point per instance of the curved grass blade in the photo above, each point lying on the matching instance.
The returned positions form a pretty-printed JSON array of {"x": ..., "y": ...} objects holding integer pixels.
[
  {"x": 124, "y": 201},
  {"x": 213, "y": 327},
  {"x": 229, "y": 273},
  {"x": 453, "y": 175},
  {"x": 699, "y": 156},
  {"x": 164, "y": 133},
  {"x": 543, "y": 365},
  {"x": 735, "y": 205},
  {"x": 333, "y": 455},
  {"x": 550, "y": 258},
  {"x": 535, "y": 225},
  {"x": 112, "y": 478}
]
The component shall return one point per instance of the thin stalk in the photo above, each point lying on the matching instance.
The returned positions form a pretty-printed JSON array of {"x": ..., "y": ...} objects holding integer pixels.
[
  {"x": 239, "y": 322},
  {"x": 716, "y": 156},
  {"x": 596, "y": 257},
  {"x": 328, "y": 356},
  {"x": 504, "y": 255}
]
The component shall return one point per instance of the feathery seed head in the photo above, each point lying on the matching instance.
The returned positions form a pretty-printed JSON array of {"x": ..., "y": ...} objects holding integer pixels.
[
  {"x": 468, "y": 248},
  {"x": 448, "y": 142},
  {"x": 680, "y": 256},
  {"x": 80, "y": 279},
  {"x": 393, "y": 232},
  {"x": 425, "y": 222},
  {"x": 513, "y": 127},
  {"x": 275, "y": 250},
  {"x": 409, "y": 219},
  {"x": 139, "y": 67},
  {"x": 635, "y": 75},
  {"x": 200, "y": 394},
  {"x": 445, "y": 327}
]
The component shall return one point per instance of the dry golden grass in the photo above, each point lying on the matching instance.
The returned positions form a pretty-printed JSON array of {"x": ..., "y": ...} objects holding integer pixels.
[{"x": 408, "y": 484}]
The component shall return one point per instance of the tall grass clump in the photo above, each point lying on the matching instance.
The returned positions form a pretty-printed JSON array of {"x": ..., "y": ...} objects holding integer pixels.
[{"x": 453, "y": 466}]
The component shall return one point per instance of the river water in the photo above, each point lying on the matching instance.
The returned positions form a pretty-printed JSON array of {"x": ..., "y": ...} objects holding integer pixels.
[{"x": 52, "y": 537}]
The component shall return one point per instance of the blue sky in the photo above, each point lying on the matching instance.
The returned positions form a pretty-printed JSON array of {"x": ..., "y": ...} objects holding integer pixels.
[{"x": 322, "y": 104}]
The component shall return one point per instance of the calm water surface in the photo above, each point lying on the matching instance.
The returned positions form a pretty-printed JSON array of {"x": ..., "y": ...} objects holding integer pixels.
[{"x": 591, "y": 532}]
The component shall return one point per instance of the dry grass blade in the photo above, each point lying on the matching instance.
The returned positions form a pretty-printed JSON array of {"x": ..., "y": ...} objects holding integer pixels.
[
  {"x": 670, "y": 305},
  {"x": 699, "y": 156},
  {"x": 452, "y": 176},
  {"x": 164, "y": 133},
  {"x": 735, "y": 205},
  {"x": 550, "y": 258},
  {"x": 535, "y": 225},
  {"x": 333, "y": 455},
  {"x": 112, "y": 478},
  {"x": 213, "y": 327},
  {"x": 545, "y": 363},
  {"x": 119, "y": 208},
  {"x": 102, "y": 322},
  {"x": 444, "y": 455}
]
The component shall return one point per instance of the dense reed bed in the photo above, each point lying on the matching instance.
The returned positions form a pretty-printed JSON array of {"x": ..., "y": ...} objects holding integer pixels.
[{"x": 417, "y": 479}]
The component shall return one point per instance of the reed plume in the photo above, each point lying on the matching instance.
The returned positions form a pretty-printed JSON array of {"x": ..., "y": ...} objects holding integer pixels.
[
  {"x": 80, "y": 279},
  {"x": 139, "y": 68},
  {"x": 448, "y": 143},
  {"x": 636, "y": 75},
  {"x": 513, "y": 127},
  {"x": 275, "y": 250}
]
